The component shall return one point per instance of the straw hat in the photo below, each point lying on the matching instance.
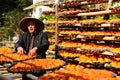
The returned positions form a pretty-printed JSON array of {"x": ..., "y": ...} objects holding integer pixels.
[{"x": 24, "y": 23}]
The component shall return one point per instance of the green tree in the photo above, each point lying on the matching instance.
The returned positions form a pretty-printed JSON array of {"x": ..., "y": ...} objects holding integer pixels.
[
  {"x": 12, "y": 19},
  {"x": 11, "y": 11}
]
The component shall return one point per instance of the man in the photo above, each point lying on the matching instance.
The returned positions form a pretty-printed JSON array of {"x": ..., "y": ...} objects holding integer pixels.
[{"x": 33, "y": 41}]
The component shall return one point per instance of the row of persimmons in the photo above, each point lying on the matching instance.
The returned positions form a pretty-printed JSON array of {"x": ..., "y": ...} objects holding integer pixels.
[
  {"x": 89, "y": 58},
  {"x": 77, "y": 72},
  {"x": 85, "y": 45},
  {"x": 89, "y": 45},
  {"x": 114, "y": 33}
]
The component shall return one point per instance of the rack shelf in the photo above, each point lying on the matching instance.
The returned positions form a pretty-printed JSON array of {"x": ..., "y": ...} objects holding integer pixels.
[{"x": 78, "y": 3}]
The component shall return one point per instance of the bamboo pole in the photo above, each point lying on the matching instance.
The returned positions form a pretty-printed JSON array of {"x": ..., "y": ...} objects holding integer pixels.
[
  {"x": 109, "y": 4},
  {"x": 56, "y": 29},
  {"x": 95, "y": 13}
]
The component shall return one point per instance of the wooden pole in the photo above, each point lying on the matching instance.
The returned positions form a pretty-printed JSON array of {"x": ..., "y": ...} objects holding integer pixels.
[
  {"x": 56, "y": 29},
  {"x": 109, "y": 4}
]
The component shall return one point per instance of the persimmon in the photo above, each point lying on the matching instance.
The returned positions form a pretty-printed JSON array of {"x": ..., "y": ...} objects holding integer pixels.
[
  {"x": 4, "y": 50},
  {"x": 37, "y": 65},
  {"x": 13, "y": 57},
  {"x": 71, "y": 73}
]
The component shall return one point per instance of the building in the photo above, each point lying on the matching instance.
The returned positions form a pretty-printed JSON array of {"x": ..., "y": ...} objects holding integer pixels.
[{"x": 38, "y": 6}]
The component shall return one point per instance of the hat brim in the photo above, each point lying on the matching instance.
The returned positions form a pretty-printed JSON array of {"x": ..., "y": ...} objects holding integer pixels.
[{"x": 24, "y": 23}]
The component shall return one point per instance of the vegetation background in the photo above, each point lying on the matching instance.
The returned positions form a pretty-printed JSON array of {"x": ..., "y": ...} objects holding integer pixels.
[{"x": 11, "y": 11}]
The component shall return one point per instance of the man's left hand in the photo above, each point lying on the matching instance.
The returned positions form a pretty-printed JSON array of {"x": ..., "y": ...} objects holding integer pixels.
[{"x": 32, "y": 52}]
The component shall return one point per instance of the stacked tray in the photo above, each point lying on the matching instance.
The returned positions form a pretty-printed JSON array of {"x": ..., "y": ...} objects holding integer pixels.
[
  {"x": 69, "y": 59},
  {"x": 113, "y": 66},
  {"x": 14, "y": 57},
  {"x": 36, "y": 65}
]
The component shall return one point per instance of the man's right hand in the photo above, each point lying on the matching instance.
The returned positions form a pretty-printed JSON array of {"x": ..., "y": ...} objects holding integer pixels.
[{"x": 20, "y": 50}]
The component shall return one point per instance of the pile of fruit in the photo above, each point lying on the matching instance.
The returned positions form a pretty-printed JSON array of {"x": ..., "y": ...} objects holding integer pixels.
[
  {"x": 77, "y": 72},
  {"x": 36, "y": 65}
]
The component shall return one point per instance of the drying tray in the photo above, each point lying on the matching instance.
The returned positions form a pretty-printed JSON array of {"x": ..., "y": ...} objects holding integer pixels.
[
  {"x": 94, "y": 64},
  {"x": 10, "y": 58},
  {"x": 115, "y": 69},
  {"x": 69, "y": 48},
  {"x": 37, "y": 69},
  {"x": 69, "y": 59}
]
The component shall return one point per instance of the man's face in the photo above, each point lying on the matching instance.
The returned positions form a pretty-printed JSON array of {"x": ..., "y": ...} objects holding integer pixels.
[{"x": 31, "y": 27}]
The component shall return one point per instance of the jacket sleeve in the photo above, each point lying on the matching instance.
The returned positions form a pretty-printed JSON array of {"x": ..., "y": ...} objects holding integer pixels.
[
  {"x": 20, "y": 42},
  {"x": 44, "y": 44}
]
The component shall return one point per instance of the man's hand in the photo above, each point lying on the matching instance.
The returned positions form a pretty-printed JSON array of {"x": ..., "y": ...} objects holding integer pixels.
[
  {"x": 20, "y": 50},
  {"x": 32, "y": 52}
]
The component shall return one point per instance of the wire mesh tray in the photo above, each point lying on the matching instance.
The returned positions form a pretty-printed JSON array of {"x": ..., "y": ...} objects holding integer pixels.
[
  {"x": 71, "y": 60},
  {"x": 94, "y": 64},
  {"x": 14, "y": 57},
  {"x": 36, "y": 65},
  {"x": 115, "y": 69},
  {"x": 68, "y": 57},
  {"x": 68, "y": 47}
]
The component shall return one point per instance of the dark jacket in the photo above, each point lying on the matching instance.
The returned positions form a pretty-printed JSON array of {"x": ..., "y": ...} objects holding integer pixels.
[{"x": 40, "y": 41}]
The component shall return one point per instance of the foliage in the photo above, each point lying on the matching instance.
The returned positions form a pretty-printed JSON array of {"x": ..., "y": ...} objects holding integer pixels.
[
  {"x": 7, "y": 5},
  {"x": 12, "y": 22},
  {"x": 115, "y": 16},
  {"x": 47, "y": 17},
  {"x": 11, "y": 11},
  {"x": 23, "y": 3}
]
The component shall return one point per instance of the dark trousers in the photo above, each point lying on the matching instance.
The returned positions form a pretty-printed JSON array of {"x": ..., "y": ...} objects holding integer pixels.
[{"x": 24, "y": 77}]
